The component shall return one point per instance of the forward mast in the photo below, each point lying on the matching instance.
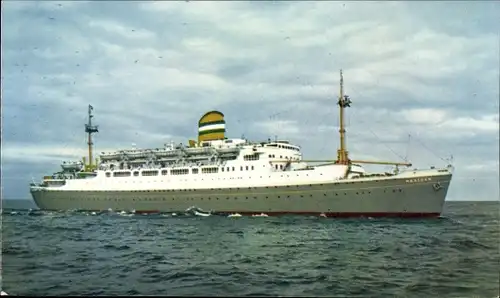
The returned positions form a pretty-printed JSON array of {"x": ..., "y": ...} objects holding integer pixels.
[
  {"x": 90, "y": 129},
  {"x": 343, "y": 102}
]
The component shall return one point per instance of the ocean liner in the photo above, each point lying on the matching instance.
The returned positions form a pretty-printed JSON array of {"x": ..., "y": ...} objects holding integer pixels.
[{"x": 233, "y": 175}]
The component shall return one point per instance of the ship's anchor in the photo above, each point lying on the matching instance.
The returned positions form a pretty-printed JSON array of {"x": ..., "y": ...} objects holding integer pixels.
[{"x": 437, "y": 186}]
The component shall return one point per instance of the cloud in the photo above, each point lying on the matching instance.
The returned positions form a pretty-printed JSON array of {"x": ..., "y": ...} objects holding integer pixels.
[
  {"x": 424, "y": 116},
  {"x": 288, "y": 128},
  {"x": 115, "y": 28},
  {"x": 422, "y": 87},
  {"x": 40, "y": 154}
]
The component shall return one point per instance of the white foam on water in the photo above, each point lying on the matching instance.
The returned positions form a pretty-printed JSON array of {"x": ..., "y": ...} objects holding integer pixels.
[
  {"x": 125, "y": 213},
  {"x": 260, "y": 215},
  {"x": 234, "y": 215}
]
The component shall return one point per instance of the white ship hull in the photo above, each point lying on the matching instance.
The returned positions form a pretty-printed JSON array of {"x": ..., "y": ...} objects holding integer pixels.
[{"x": 411, "y": 194}]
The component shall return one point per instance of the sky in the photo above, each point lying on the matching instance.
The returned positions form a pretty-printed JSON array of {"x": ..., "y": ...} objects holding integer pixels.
[{"x": 423, "y": 78}]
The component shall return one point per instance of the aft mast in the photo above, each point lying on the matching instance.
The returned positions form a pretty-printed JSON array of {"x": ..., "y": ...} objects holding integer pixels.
[
  {"x": 90, "y": 129},
  {"x": 344, "y": 102}
]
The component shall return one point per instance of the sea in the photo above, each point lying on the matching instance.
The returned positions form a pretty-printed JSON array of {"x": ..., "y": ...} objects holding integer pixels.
[{"x": 78, "y": 253}]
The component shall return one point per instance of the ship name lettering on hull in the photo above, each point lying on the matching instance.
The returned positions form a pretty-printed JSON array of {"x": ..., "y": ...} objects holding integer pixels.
[{"x": 418, "y": 180}]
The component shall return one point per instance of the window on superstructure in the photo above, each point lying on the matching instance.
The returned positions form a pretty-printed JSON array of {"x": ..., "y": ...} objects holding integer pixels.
[
  {"x": 222, "y": 169},
  {"x": 276, "y": 166},
  {"x": 121, "y": 174},
  {"x": 254, "y": 156},
  {"x": 150, "y": 173},
  {"x": 252, "y": 168},
  {"x": 246, "y": 168},
  {"x": 281, "y": 167},
  {"x": 108, "y": 174},
  {"x": 136, "y": 173},
  {"x": 179, "y": 171},
  {"x": 164, "y": 172},
  {"x": 194, "y": 171},
  {"x": 228, "y": 169},
  {"x": 209, "y": 170},
  {"x": 233, "y": 169},
  {"x": 241, "y": 168}
]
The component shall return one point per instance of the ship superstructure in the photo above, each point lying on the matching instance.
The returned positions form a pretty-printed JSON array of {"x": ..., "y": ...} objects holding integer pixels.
[{"x": 234, "y": 175}]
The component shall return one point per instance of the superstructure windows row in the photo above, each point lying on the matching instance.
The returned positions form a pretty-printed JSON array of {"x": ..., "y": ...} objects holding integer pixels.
[
  {"x": 176, "y": 172},
  {"x": 164, "y": 172},
  {"x": 283, "y": 147},
  {"x": 251, "y": 157}
]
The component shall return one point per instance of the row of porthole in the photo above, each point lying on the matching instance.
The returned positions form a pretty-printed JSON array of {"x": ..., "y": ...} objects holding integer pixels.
[
  {"x": 221, "y": 189},
  {"x": 164, "y": 199},
  {"x": 267, "y": 187},
  {"x": 227, "y": 198},
  {"x": 212, "y": 189}
]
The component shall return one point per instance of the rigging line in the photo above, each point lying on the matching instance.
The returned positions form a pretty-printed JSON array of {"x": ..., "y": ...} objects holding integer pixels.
[
  {"x": 428, "y": 149},
  {"x": 386, "y": 144},
  {"x": 353, "y": 113},
  {"x": 408, "y": 148},
  {"x": 285, "y": 110},
  {"x": 271, "y": 116},
  {"x": 409, "y": 139}
]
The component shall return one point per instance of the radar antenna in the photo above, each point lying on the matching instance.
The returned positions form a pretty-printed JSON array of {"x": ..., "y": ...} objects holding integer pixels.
[{"x": 90, "y": 129}]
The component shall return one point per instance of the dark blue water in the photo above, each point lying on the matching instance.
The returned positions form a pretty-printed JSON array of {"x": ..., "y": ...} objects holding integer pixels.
[{"x": 112, "y": 254}]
